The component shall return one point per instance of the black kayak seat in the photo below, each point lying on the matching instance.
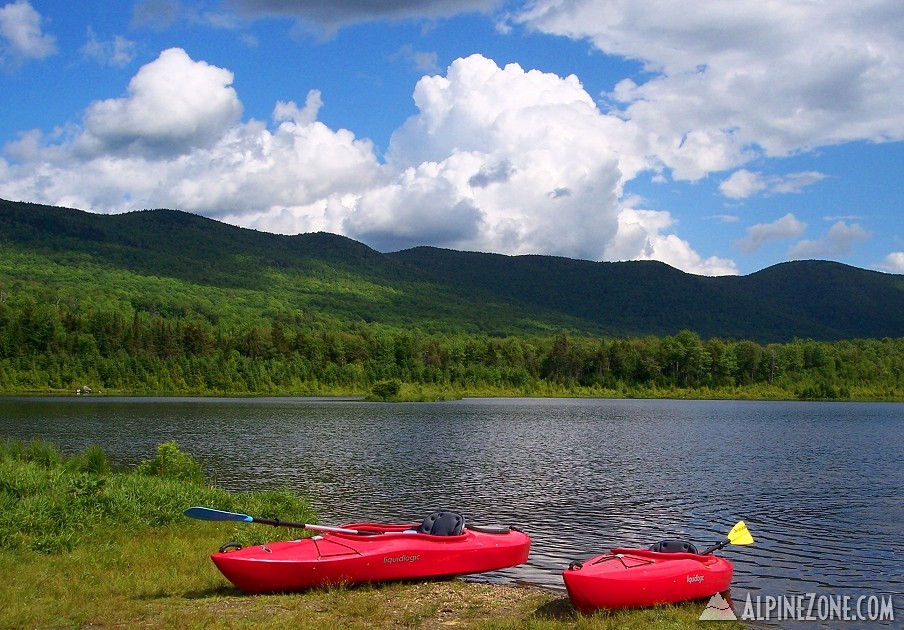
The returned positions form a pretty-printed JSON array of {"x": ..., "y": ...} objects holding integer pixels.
[
  {"x": 443, "y": 524},
  {"x": 674, "y": 546}
]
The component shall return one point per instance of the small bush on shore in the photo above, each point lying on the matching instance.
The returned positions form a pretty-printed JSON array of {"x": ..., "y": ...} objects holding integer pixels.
[{"x": 171, "y": 463}]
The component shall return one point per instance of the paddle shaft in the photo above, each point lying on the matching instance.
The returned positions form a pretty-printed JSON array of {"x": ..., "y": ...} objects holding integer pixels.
[
  {"x": 716, "y": 547},
  {"x": 210, "y": 514},
  {"x": 275, "y": 522},
  {"x": 486, "y": 529}
]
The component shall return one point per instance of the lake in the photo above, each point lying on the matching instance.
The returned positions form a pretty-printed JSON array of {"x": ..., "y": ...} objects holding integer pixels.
[{"x": 818, "y": 484}]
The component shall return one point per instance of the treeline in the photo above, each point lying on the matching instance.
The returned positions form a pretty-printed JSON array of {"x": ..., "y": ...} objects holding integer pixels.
[{"x": 49, "y": 347}]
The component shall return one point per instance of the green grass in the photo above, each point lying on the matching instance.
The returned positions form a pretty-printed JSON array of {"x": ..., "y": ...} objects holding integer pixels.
[
  {"x": 52, "y": 504},
  {"x": 163, "y": 578},
  {"x": 83, "y": 547}
]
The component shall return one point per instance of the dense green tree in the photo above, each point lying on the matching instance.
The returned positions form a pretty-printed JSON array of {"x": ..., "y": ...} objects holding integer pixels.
[{"x": 65, "y": 345}]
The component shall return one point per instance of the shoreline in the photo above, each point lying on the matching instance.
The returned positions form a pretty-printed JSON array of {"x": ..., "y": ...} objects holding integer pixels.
[{"x": 416, "y": 394}]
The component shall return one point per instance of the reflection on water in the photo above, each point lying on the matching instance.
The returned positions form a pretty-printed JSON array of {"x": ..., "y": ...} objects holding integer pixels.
[{"x": 818, "y": 484}]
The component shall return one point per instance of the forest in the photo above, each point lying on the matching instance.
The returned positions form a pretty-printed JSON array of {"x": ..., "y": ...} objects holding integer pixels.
[
  {"x": 167, "y": 302},
  {"x": 47, "y": 348}
]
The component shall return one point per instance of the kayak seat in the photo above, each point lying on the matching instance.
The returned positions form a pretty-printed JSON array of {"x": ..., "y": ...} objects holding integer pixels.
[
  {"x": 674, "y": 546},
  {"x": 443, "y": 524}
]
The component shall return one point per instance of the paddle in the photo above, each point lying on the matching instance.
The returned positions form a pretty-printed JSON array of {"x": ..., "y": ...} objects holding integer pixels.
[
  {"x": 737, "y": 536},
  {"x": 210, "y": 514}
]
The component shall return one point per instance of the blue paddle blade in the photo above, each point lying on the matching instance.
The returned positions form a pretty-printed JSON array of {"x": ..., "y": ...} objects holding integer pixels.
[{"x": 209, "y": 514}]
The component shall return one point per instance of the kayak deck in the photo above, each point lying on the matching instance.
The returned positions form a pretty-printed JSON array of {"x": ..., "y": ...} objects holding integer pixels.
[
  {"x": 397, "y": 553},
  {"x": 635, "y": 578}
]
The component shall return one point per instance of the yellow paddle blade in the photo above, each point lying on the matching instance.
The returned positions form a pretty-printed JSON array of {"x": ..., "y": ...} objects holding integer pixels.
[{"x": 739, "y": 535}]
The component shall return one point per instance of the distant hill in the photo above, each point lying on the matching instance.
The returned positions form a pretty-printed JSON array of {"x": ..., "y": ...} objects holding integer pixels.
[
  {"x": 805, "y": 299},
  {"x": 435, "y": 290}
]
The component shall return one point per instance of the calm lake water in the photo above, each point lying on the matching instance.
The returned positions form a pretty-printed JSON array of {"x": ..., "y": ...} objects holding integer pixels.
[{"x": 818, "y": 484}]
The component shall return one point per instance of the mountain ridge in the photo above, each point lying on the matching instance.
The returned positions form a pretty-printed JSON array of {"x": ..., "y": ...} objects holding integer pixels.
[{"x": 448, "y": 290}]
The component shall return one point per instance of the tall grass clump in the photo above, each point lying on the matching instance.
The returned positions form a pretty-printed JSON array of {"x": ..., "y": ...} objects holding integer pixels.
[
  {"x": 171, "y": 463},
  {"x": 49, "y": 503},
  {"x": 92, "y": 461},
  {"x": 41, "y": 452}
]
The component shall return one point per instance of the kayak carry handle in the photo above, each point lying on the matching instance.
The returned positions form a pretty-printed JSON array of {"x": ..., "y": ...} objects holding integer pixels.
[{"x": 493, "y": 529}]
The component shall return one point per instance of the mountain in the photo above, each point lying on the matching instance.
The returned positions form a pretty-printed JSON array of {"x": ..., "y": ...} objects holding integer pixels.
[
  {"x": 805, "y": 299},
  {"x": 219, "y": 267}
]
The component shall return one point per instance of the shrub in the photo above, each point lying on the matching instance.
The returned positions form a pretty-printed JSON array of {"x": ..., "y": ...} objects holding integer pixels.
[
  {"x": 387, "y": 389},
  {"x": 171, "y": 463}
]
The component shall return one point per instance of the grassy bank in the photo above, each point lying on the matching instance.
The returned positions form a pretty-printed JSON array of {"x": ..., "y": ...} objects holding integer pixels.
[
  {"x": 82, "y": 546},
  {"x": 418, "y": 392}
]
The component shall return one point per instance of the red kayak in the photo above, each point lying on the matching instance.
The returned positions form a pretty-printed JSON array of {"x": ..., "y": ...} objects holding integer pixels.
[
  {"x": 372, "y": 552},
  {"x": 669, "y": 572},
  {"x": 634, "y": 578}
]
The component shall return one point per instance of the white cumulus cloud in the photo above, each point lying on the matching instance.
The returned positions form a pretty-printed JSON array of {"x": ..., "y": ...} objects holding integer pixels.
[
  {"x": 496, "y": 159},
  {"x": 527, "y": 153},
  {"x": 733, "y": 79},
  {"x": 21, "y": 35},
  {"x": 642, "y": 235},
  {"x": 174, "y": 141},
  {"x": 173, "y": 105},
  {"x": 743, "y": 183},
  {"x": 786, "y": 228},
  {"x": 117, "y": 52},
  {"x": 839, "y": 240},
  {"x": 893, "y": 263}
]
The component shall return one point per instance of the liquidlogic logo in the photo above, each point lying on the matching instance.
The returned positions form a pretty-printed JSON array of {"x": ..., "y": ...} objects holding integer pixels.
[
  {"x": 694, "y": 579},
  {"x": 402, "y": 558}
]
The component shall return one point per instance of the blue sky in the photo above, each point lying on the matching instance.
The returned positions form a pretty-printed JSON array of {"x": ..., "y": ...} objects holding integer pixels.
[{"x": 720, "y": 137}]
